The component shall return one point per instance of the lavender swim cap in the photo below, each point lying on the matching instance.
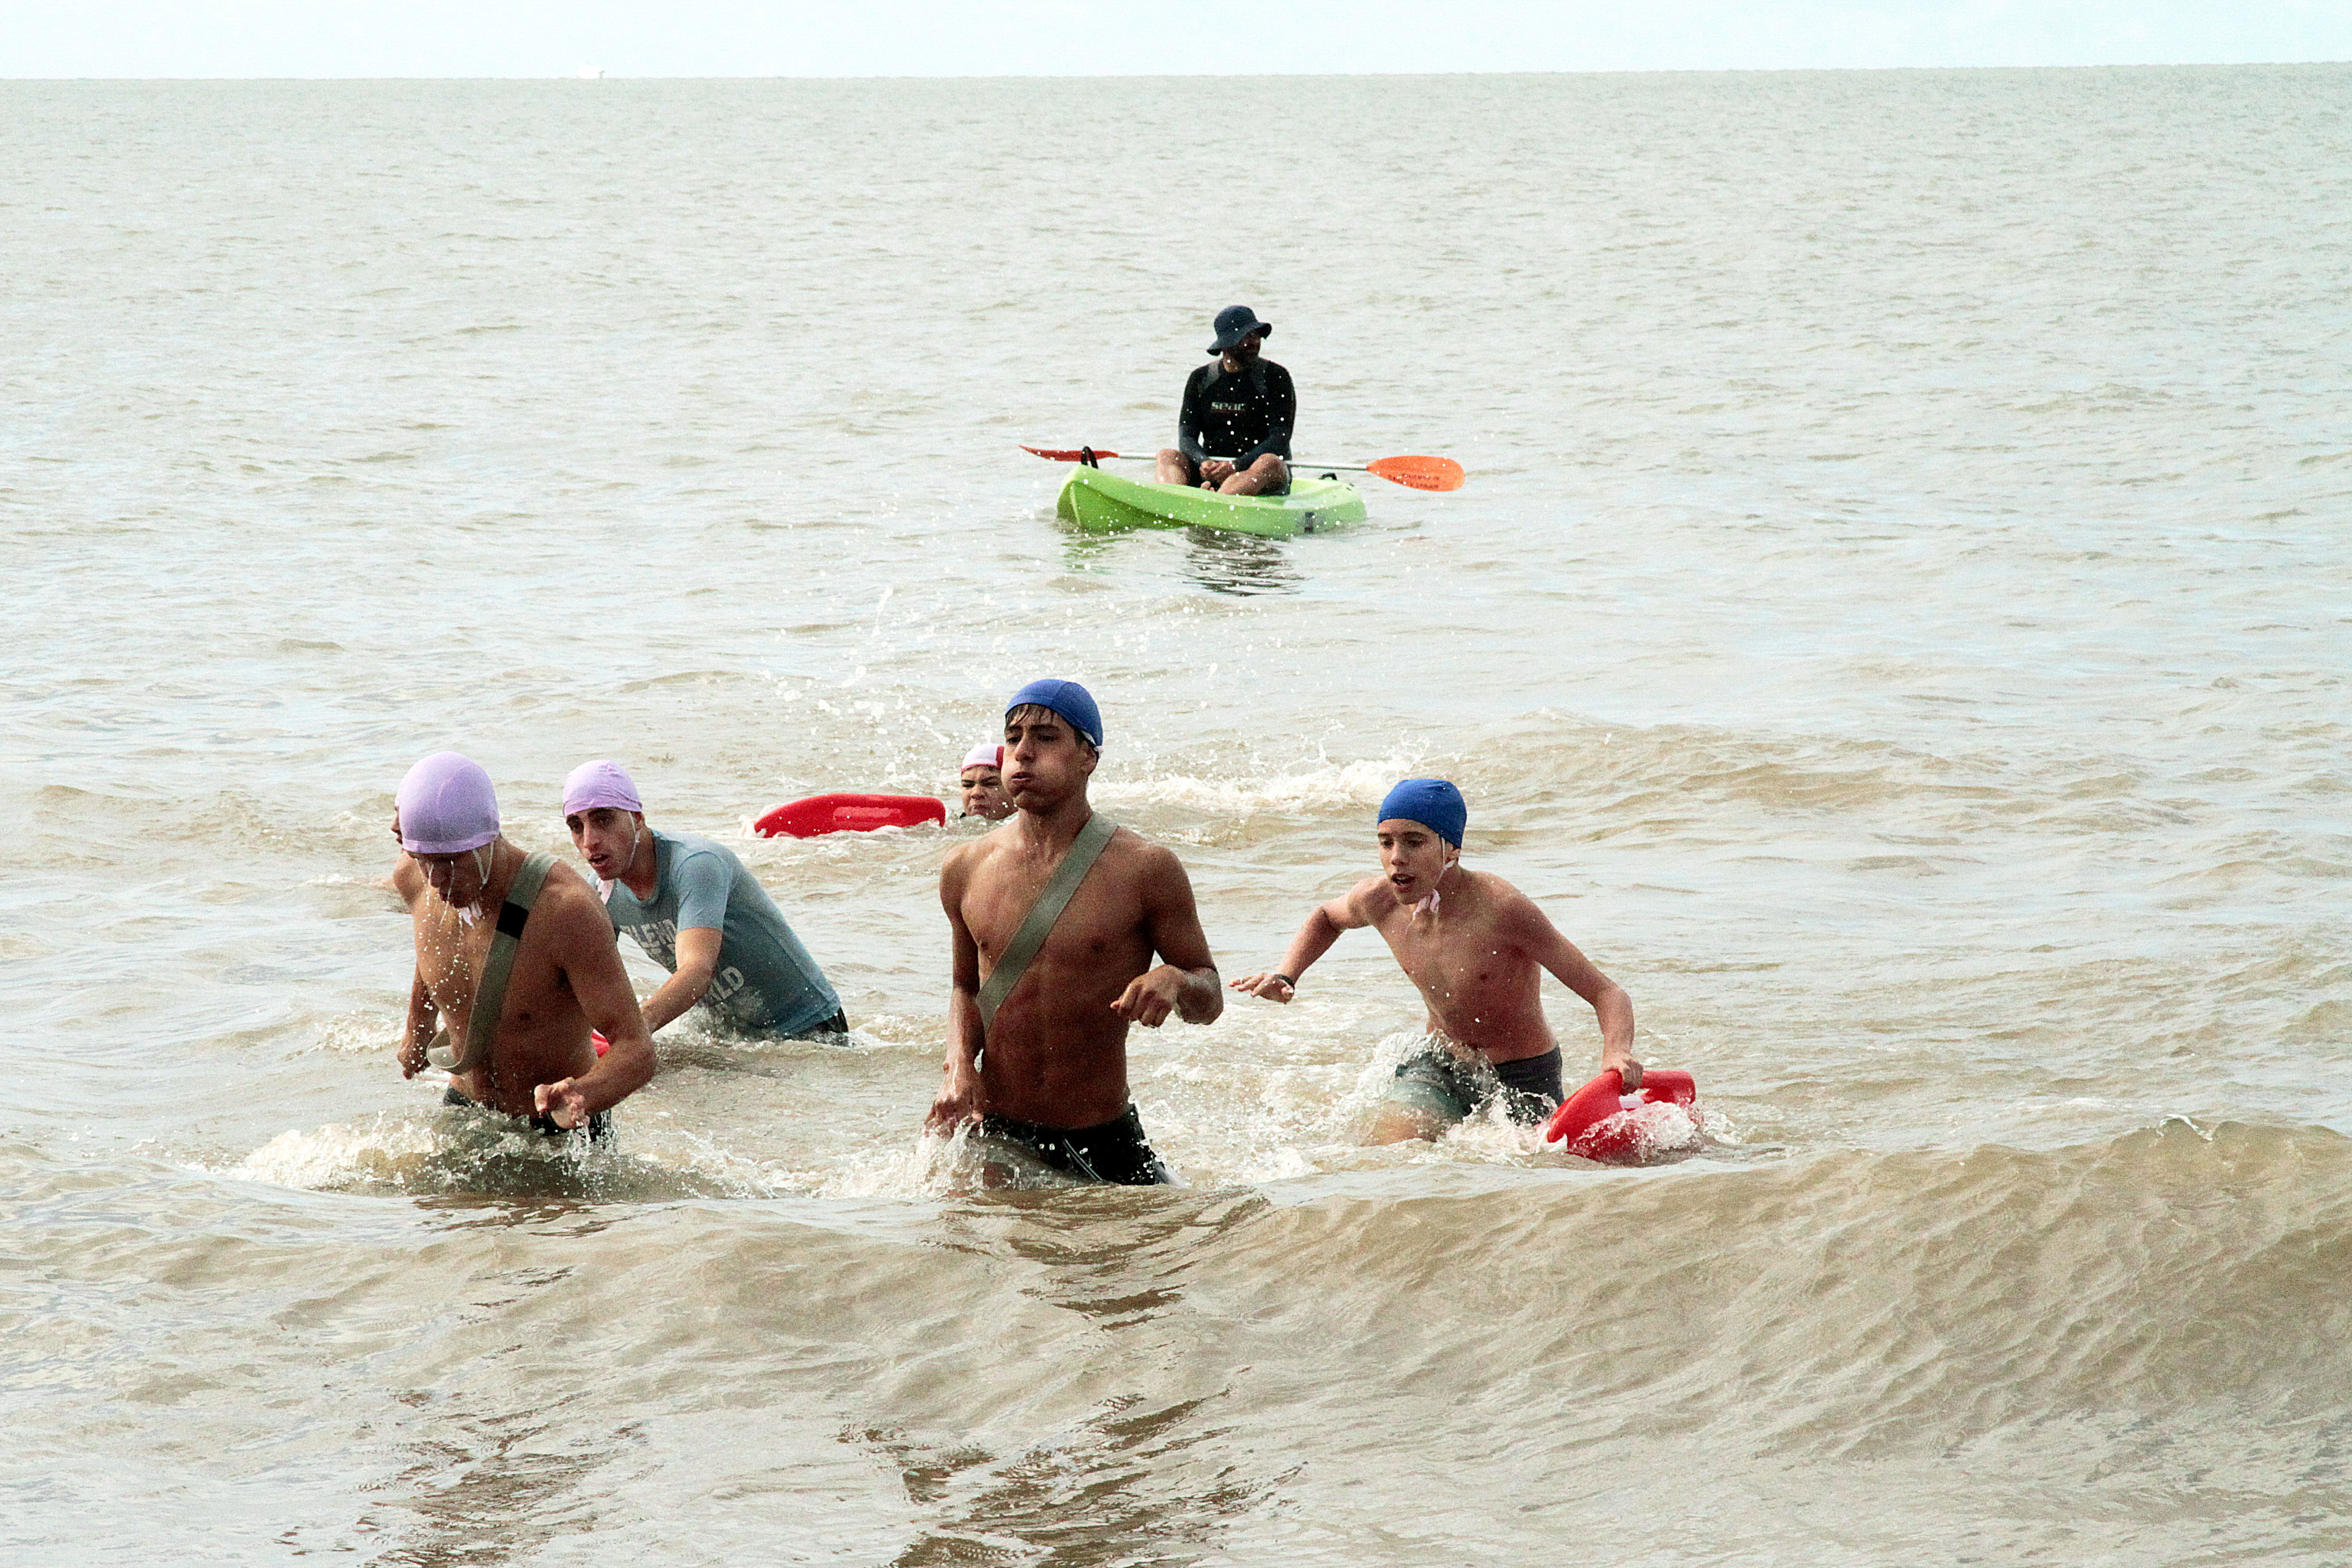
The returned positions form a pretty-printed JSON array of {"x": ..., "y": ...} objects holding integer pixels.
[
  {"x": 594, "y": 784},
  {"x": 447, "y": 805}
]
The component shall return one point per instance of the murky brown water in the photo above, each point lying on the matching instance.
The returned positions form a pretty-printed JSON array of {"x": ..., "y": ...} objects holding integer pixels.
[{"x": 1897, "y": 624}]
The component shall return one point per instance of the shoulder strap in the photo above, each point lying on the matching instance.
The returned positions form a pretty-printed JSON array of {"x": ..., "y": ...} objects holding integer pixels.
[
  {"x": 490, "y": 996},
  {"x": 1042, "y": 916}
]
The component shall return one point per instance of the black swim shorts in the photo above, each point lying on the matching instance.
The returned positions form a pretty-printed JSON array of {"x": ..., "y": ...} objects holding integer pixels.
[
  {"x": 1458, "y": 1086},
  {"x": 600, "y": 1126},
  {"x": 1114, "y": 1152}
]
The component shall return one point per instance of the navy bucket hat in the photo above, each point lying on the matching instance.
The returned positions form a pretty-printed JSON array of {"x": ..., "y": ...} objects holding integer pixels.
[{"x": 1235, "y": 322}]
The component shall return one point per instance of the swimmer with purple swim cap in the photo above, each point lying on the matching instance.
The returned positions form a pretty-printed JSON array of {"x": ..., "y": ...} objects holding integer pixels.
[
  {"x": 1477, "y": 946},
  {"x": 1051, "y": 1080},
  {"x": 698, "y": 911},
  {"x": 468, "y": 889}
]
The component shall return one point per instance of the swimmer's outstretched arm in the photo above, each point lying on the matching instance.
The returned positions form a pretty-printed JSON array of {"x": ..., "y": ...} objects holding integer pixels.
[
  {"x": 960, "y": 1097},
  {"x": 1537, "y": 936},
  {"x": 1185, "y": 983},
  {"x": 698, "y": 961},
  {"x": 423, "y": 1016},
  {"x": 1314, "y": 940},
  {"x": 591, "y": 967}
]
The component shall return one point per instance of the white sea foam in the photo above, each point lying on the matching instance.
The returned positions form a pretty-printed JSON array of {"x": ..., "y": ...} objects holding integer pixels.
[
  {"x": 454, "y": 1151},
  {"x": 1333, "y": 787}
]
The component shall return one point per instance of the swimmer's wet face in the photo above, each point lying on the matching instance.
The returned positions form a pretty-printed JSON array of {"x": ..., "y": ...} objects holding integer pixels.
[
  {"x": 1047, "y": 761},
  {"x": 1414, "y": 858},
  {"x": 608, "y": 839},
  {"x": 459, "y": 879},
  {"x": 983, "y": 794}
]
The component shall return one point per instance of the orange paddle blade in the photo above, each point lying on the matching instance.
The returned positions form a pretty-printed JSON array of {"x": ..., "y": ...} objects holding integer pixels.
[
  {"x": 1421, "y": 473},
  {"x": 1070, "y": 454}
]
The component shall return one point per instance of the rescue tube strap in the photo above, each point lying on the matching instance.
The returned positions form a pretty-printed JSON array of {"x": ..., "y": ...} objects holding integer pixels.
[
  {"x": 491, "y": 995},
  {"x": 1042, "y": 916}
]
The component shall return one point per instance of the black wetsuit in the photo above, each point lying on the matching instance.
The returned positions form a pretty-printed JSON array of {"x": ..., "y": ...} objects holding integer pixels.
[
  {"x": 1239, "y": 418},
  {"x": 1114, "y": 1152}
]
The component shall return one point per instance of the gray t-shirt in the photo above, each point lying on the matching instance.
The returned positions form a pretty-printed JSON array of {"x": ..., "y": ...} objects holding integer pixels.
[{"x": 765, "y": 983}]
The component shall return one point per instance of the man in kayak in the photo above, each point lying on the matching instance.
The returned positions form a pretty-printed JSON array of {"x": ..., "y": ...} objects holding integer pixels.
[
  {"x": 465, "y": 886},
  {"x": 1234, "y": 432},
  {"x": 1474, "y": 945},
  {"x": 1047, "y": 1072},
  {"x": 698, "y": 911},
  {"x": 982, "y": 784}
]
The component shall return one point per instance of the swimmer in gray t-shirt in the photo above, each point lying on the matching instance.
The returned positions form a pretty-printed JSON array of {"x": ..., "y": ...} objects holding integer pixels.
[{"x": 696, "y": 910}]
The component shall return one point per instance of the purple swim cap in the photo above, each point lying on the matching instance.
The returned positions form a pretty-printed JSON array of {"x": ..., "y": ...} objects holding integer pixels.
[
  {"x": 447, "y": 805},
  {"x": 594, "y": 784}
]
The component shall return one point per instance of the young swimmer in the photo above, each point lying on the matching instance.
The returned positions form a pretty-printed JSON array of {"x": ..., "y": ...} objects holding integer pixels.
[
  {"x": 457, "y": 874},
  {"x": 1477, "y": 946},
  {"x": 982, "y": 784},
  {"x": 698, "y": 911},
  {"x": 1049, "y": 1073}
]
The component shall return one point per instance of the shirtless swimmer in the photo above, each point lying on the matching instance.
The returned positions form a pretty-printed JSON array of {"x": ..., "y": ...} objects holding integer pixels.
[
  {"x": 1477, "y": 946},
  {"x": 1053, "y": 1075},
  {"x": 455, "y": 875}
]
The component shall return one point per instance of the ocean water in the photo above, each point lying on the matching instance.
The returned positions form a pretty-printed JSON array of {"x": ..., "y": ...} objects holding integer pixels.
[{"x": 1897, "y": 624}]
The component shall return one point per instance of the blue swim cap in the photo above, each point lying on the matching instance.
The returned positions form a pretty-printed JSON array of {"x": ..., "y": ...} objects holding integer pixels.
[
  {"x": 1435, "y": 803},
  {"x": 1064, "y": 698}
]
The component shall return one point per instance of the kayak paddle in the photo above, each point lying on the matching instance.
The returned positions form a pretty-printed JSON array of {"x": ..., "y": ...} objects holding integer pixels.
[{"x": 1419, "y": 472}]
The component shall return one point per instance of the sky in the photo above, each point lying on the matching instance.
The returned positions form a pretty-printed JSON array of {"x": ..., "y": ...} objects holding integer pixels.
[{"x": 542, "y": 38}]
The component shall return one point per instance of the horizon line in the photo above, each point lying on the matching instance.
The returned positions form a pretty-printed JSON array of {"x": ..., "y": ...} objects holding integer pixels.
[{"x": 578, "y": 75}]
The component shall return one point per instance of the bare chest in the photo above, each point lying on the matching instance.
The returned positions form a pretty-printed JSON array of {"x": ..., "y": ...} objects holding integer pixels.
[
  {"x": 451, "y": 955},
  {"x": 1102, "y": 916},
  {"x": 1451, "y": 960}
]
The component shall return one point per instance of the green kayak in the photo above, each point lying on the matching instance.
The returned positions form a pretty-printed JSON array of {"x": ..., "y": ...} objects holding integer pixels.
[{"x": 1096, "y": 498}]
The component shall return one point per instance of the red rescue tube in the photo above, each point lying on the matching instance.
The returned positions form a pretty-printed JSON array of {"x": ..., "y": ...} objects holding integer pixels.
[
  {"x": 596, "y": 1037},
  {"x": 848, "y": 812},
  {"x": 1592, "y": 1121}
]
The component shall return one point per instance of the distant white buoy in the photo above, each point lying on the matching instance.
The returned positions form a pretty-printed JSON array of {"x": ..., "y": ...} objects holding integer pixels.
[{"x": 592, "y": 73}]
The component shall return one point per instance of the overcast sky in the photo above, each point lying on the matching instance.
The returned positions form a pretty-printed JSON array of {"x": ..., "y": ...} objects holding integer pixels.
[{"x": 1101, "y": 38}]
